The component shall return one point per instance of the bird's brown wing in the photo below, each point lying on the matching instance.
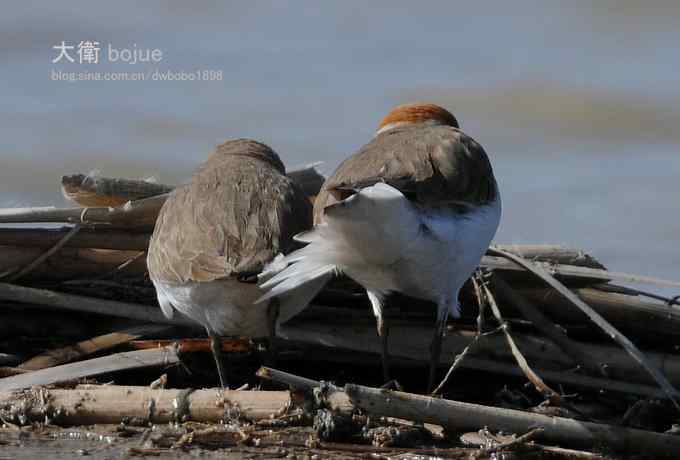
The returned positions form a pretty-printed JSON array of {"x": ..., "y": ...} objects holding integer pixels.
[
  {"x": 436, "y": 165},
  {"x": 235, "y": 215}
]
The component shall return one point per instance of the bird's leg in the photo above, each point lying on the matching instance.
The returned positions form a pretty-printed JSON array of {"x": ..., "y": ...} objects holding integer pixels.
[
  {"x": 216, "y": 348},
  {"x": 272, "y": 319},
  {"x": 383, "y": 331},
  {"x": 436, "y": 345}
]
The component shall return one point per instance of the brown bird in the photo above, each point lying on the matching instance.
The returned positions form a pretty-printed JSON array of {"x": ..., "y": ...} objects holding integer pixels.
[
  {"x": 216, "y": 233},
  {"x": 412, "y": 211}
]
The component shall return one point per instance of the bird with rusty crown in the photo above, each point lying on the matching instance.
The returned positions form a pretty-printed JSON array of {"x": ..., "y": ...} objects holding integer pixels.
[
  {"x": 412, "y": 211},
  {"x": 214, "y": 235}
]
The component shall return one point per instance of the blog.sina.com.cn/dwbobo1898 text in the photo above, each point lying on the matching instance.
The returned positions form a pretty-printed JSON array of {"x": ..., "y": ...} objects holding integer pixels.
[{"x": 181, "y": 75}]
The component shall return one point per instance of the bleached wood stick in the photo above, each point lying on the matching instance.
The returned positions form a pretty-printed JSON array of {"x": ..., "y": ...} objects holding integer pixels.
[
  {"x": 113, "y": 404},
  {"x": 134, "y": 214},
  {"x": 157, "y": 357},
  {"x": 96, "y": 191},
  {"x": 552, "y": 253},
  {"x": 457, "y": 416}
]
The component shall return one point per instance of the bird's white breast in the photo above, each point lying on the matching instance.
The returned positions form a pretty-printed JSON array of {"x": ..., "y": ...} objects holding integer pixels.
[
  {"x": 222, "y": 306},
  {"x": 431, "y": 251}
]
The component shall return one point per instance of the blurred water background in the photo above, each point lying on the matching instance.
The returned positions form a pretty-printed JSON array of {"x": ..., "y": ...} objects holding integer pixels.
[{"x": 577, "y": 103}]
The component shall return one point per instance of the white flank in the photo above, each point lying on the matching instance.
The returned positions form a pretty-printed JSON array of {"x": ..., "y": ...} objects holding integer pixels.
[{"x": 384, "y": 242}]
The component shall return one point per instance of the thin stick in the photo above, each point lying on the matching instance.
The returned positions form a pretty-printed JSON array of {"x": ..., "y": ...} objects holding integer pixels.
[
  {"x": 158, "y": 357},
  {"x": 610, "y": 330},
  {"x": 546, "y": 326},
  {"x": 538, "y": 382},
  {"x": 459, "y": 359},
  {"x": 43, "y": 257},
  {"x": 122, "y": 266}
]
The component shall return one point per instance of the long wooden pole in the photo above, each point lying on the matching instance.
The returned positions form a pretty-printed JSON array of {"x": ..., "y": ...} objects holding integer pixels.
[
  {"x": 457, "y": 416},
  {"x": 113, "y": 404}
]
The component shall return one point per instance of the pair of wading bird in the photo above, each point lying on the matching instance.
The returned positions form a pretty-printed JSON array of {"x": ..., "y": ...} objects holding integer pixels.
[{"x": 413, "y": 211}]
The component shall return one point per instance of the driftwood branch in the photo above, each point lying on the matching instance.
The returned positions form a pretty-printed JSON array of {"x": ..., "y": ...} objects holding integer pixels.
[
  {"x": 551, "y": 253},
  {"x": 458, "y": 416},
  {"x": 159, "y": 357},
  {"x": 95, "y": 191},
  {"x": 141, "y": 405},
  {"x": 133, "y": 214}
]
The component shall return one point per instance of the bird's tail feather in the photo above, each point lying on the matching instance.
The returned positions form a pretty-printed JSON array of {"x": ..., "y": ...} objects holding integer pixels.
[
  {"x": 295, "y": 280},
  {"x": 367, "y": 229}
]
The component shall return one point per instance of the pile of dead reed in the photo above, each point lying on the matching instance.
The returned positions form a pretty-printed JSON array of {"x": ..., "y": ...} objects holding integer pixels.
[{"x": 600, "y": 358}]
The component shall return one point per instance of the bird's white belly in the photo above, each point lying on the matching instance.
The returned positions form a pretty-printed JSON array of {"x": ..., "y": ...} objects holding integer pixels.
[
  {"x": 224, "y": 306},
  {"x": 436, "y": 263}
]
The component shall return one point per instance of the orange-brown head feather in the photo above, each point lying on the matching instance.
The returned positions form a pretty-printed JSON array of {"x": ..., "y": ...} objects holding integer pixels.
[{"x": 419, "y": 112}]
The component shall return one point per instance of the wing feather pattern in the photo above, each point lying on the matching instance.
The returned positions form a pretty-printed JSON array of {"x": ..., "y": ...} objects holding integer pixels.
[
  {"x": 237, "y": 213},
  {"x": 432, "y": 166}
]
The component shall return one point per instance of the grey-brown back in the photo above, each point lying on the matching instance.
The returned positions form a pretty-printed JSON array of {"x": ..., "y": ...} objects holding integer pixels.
[
  {"x": 431, "y": 165},
  {"x": 235, "y": 215}
]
